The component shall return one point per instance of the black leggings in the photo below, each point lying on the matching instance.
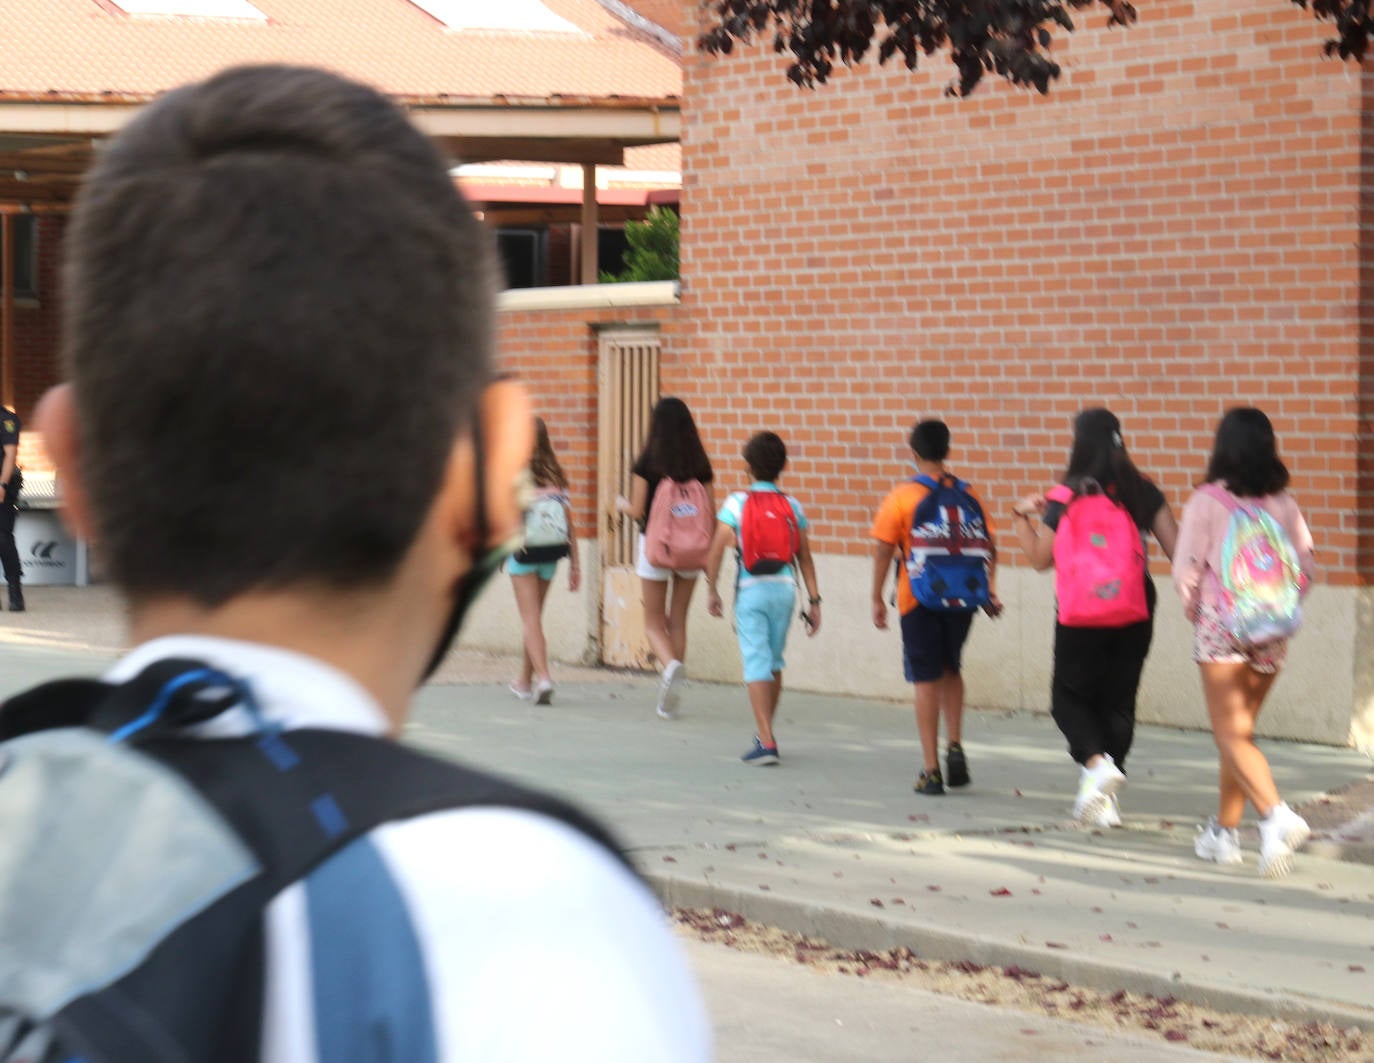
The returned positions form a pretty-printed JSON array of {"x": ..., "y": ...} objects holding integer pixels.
[
  {"x": 9, "y": 554},
  {"x": 1096, "y": 676}
]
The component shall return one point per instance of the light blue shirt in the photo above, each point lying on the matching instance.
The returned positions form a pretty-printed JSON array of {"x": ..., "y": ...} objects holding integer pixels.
[{"x": 732, "y": 512}]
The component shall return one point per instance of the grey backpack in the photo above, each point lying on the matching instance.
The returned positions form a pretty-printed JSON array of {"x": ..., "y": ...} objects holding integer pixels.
[{"x": 137, "y": 860}]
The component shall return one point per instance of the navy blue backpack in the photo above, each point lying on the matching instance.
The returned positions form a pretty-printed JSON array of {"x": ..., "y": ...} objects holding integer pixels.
[{"x": 951, "y": 551}]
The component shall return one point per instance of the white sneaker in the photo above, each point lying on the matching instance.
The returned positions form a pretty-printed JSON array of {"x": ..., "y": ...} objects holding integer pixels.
[
  {"x": 1096, "y": 788},
  {"x": 1282, "y": 833},
  {"x": 543, "y": 693},
  {"x": 669, "y": 694},
  {"x": 1219, "y": 844},
  {"x": 523, "y": 695},
  {"x": 1110, "y": 816}
]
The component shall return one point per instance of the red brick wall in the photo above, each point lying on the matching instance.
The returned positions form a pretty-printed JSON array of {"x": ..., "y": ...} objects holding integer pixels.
[
  {"x": 36, "y": 337},
  {"x": 555, "y": 354},
  {"x": 1173, "y": 231}
]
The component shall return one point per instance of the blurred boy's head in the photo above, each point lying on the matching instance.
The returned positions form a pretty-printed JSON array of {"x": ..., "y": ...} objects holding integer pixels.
[{"x": 277, "y": 325}]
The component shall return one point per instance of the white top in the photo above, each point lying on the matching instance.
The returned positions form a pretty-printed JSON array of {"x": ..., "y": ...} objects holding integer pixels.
[{"x": 483, "y": 934}]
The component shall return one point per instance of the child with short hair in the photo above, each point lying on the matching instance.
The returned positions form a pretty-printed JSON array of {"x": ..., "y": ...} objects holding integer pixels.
[
  {"x": 932, "y": 638},
  {"x": 772, "y": 543}
]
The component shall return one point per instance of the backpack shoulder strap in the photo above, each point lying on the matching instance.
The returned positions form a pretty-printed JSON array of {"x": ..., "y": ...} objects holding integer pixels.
[
  {"x": 1212, "y": 490},
  {"x": 1061, "y": 493},
  {"x": 926, "y": 481},
  {"x": 298, "y": 797}
]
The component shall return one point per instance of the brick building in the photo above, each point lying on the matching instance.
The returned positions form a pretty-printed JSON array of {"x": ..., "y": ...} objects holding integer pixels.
[{"x": 1176, "y": 229}]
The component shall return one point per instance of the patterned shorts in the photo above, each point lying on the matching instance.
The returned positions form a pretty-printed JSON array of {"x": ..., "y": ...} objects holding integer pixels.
[{"x": 1212, "y": 644}]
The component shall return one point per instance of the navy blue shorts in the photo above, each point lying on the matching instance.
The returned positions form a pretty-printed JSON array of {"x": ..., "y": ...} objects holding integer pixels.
[{"x": 933, "y": 642}]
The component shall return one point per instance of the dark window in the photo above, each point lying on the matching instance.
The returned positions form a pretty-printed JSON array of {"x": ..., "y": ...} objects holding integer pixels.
[
  {"x": 25, "y": 255},
  {"x": 525, "y": 254},
  {"x": 610, "y": 249}
]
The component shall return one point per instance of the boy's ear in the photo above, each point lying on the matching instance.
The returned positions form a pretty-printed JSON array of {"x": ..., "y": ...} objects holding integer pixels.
[
  {"x": 55, "y": 419},
  {"x": 507, "y": 444}
]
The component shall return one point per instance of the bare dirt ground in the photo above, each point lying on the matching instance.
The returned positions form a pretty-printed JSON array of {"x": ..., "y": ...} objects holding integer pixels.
[{"x": 1013, "y": 987}]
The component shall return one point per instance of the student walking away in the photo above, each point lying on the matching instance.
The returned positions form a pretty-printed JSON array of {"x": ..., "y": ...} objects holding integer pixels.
[
  {"x": 1094, "y": 527},
  {"x": 11, "y": 480},
  {"x": 549, "y": 537},
  {"x": 216, "y": 852},
  {"x": 673, "y": 501},
  {"x": 937, "y": 526},
  {"x": 1243, "y": 565},
  {"x": 769, "y": 534}
]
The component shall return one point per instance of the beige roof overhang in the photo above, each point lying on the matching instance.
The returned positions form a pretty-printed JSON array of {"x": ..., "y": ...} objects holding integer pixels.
[{"x": 47, "y": 142}]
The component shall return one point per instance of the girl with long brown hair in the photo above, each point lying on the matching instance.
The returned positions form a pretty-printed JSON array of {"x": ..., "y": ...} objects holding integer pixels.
[{"x": 549, "y": 537}]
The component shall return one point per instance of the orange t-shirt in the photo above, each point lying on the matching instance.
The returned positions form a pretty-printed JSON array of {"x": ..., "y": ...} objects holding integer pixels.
[{"x": 892, "y": 525}]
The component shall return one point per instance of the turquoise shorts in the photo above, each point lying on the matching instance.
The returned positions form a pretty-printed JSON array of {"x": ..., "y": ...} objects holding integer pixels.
[
  {"x": 544, "y": 571},
  {"x": 763, "y": 614}
]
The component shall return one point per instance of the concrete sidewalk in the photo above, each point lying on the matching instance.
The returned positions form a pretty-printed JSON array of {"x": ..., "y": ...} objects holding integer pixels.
[{"x": 833, "y": 842}]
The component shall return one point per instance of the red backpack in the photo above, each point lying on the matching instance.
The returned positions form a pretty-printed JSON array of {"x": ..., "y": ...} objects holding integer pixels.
[
  {"x": 678, "y": 532},
  {"x": 768, "y": 534}
]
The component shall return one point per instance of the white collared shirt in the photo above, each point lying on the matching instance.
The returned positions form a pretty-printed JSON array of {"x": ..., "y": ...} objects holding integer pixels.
[{"x": 483, "y": 934}]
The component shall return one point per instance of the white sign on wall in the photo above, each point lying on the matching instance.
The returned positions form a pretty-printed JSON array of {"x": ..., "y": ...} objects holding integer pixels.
[{"x": 47, "y": 553}]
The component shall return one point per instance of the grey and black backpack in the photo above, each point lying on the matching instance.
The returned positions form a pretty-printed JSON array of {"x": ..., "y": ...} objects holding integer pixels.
[{"x": 136, "y": 861}]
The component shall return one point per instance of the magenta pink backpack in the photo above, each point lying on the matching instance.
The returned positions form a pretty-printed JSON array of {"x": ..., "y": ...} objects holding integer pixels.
[
  {"x": 678, "y": 532},
  {"x": 1099, "y": 562}
]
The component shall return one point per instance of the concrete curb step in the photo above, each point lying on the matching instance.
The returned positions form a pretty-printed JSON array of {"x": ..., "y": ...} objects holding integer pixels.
[{"x": 855, "y": 930}]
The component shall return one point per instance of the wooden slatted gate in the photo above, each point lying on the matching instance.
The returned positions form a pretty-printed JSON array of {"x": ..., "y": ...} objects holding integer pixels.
[{"x": 628, "y": 388}]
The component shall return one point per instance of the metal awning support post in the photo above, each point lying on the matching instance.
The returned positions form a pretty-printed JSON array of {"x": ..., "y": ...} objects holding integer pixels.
[{"x": 589, "y": 224}]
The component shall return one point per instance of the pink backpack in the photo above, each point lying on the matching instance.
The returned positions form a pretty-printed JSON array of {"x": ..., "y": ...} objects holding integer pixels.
[
  {"x": 1099, "y": 562},
  {"x": 677, "y": 535}
]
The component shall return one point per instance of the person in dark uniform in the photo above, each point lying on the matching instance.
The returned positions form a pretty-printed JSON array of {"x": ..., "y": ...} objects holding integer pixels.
[{"x": 11, "y": 479}]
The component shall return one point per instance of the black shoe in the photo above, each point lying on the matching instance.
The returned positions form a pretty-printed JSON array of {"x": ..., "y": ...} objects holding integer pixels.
[
  {"x": 956, "y": 766},
  {"x": 16, "y": 602},
  {"x": 930, "y": 783}
]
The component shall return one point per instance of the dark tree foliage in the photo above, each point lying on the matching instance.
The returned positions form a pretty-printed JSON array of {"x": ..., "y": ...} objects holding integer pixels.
[
  {"x": 1008, "y": 38},
  {"x": 652, "y": 254},
  {"x": 1354, "y": 25}
]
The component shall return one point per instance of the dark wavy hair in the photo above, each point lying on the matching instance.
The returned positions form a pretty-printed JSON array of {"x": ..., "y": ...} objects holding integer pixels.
[
  {"x": 766, "y": 456},
  {"x": 673, "y": 450},
  {"x": 1245, "y": 456},
  {"x": 544, "y": 466},
  {"x": 1099, "y": 456}
]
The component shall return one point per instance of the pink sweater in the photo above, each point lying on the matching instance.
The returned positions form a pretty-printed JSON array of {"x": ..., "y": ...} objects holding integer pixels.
[{"x": 1200, "y": 540}]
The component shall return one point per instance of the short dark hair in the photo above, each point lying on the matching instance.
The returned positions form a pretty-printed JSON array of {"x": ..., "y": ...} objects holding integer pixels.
[
  {"x": 766, "y": 456},
  {"x": 1245, "y": 456},
  {"x": 278, "y": 320},
  {"x": 930, "y": 440}
]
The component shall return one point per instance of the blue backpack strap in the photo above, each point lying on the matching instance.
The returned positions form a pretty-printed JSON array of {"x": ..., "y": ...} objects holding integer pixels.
[{"x": 926, "y": 481}]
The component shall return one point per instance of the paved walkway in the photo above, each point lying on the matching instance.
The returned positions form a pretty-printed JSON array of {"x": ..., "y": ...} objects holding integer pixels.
[
  {"x": 764, "y": 1008},
  {"x": 834, "y": 843}
]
